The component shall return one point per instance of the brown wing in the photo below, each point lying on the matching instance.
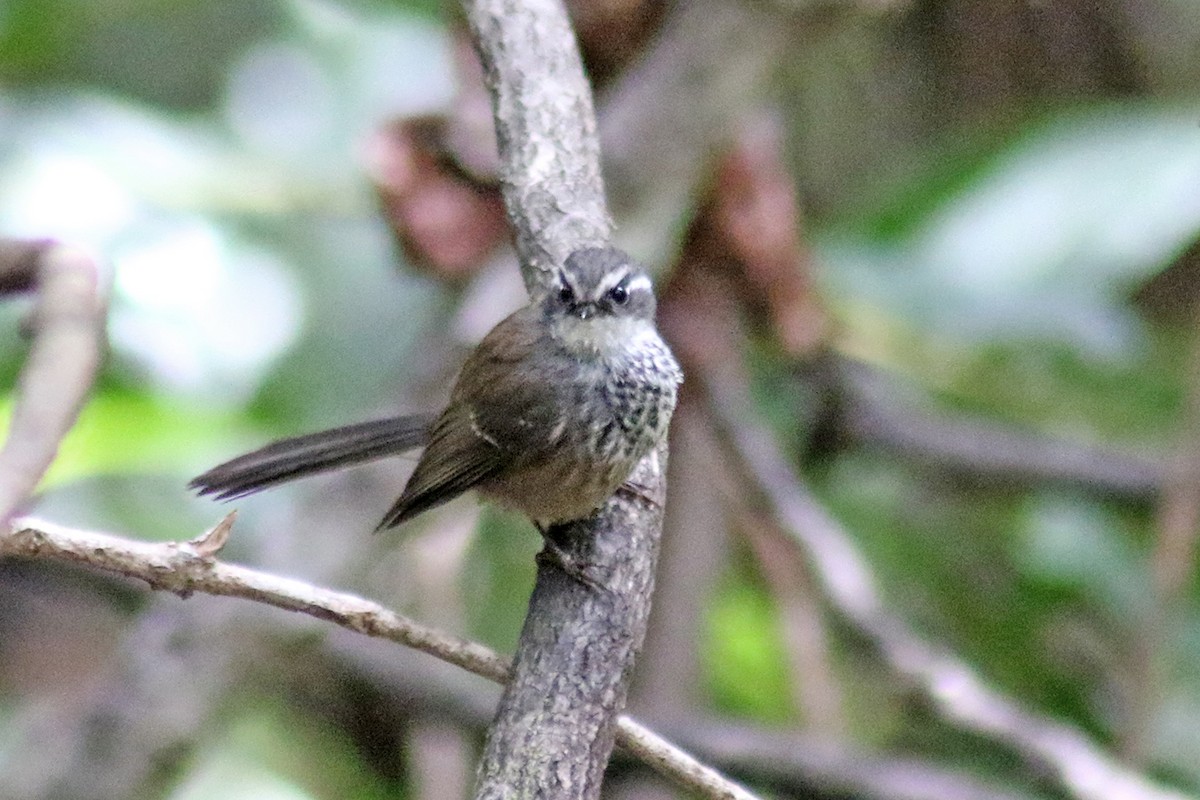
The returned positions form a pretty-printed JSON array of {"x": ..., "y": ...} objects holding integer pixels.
[
  {"x": 521, "y": 385},
  {"x": 455, "y": 460},
  {"x": 502, "y": 411},
  {"x": 458, "y": 457}
]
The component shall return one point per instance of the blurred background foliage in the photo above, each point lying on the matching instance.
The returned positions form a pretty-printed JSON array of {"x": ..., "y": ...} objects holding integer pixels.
[{"x": 987, "y": 248}]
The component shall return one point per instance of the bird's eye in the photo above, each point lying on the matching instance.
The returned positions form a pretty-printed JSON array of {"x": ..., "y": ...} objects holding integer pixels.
[
  {"x": 619, "y": 294},
  {"x": 566, "y": 293}
]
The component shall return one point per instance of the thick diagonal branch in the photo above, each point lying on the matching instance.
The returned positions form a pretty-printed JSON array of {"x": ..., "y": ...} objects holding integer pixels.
[{"x": 555, "y": 726}]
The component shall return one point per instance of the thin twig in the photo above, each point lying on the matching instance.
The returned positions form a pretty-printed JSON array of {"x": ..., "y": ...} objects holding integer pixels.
[
  {"x": 957, "y": 692},
  {"x": 181, "y": 568},
  {"x": 1173, "y": 564},
  {"x": 68, "y": 326},
  {"x": 878, "y": 416},
  {"x": 673, "y": 763}
]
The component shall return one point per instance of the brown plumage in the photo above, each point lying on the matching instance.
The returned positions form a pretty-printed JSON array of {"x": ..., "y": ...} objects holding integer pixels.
[{"x": 549, "y": 415}]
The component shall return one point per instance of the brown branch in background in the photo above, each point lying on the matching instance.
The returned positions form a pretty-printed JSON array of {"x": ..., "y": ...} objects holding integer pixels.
[
  {"x": 180, "y": 568},
  {"x": 749, "y": 216},
  {"x": 875, "y": 415},
  {"x": 444, "y": 220},
  {"x": 68, "y": 325},
  {"x": 669, "y": 678},
  {"x": 1173, "y": 562},
  {"x": 950, "y": 685},
  {"x": 755, "y": 214},
  {"x": 825, "y": 766},
  {"x": 751, "y": 229},
  {"x": 803, "y": 631},
  {"x": 663, "y": 123},
  {"x": 19, "y": 260},
  {"x": 744, "y": 251},
  {"x": 756, "y": 219}
]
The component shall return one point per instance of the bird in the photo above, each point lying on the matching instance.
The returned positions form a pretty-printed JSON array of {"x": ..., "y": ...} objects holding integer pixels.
[{"x": 548, "y": 416}]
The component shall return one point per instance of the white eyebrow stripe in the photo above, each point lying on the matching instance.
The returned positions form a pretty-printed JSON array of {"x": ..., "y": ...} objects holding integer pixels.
[
  {"x": 641, "y": 282},
  {"x": 610, "y": 280}
]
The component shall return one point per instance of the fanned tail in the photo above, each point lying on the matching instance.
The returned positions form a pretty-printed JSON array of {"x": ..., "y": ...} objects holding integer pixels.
[{"x": 301, "y": 456}]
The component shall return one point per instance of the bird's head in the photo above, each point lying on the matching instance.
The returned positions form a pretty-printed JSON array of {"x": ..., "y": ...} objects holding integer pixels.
[{"x": 601, "y": 299}]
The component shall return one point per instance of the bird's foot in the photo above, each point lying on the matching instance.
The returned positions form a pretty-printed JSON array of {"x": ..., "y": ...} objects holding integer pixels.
[
  {"x": 554, "y": 553},
  {"x": 641, "y": 492}
]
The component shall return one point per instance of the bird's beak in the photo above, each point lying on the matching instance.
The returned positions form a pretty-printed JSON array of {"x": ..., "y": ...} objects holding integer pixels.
[{"x": 584, "y": 310}]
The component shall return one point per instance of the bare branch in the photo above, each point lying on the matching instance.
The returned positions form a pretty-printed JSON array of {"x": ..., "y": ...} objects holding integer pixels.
[
  {"x": 954, "y": 689},
  {"x": 983, "y": 450},
  {"x": 555, "y": 726},
  {"x": 68, "y": 329},
  {"x": 180, "y": 568},
  {"x": 688, "y": 773}
]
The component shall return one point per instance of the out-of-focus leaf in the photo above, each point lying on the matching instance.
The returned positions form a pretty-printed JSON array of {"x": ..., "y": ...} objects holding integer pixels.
[
  {"x": 124, "y": 432},
  {"x": 744, "y": 656},
  {"x": 1074, "y": 543},
  {"x": 169, "y": 52},
  {"x": 1047, "y": 243},
  {"x": 498, "y": 577},
  {"x": 234, "y": 778},
  {"x": 197, "y": 306},
  {"x": 218, "y": 229}
]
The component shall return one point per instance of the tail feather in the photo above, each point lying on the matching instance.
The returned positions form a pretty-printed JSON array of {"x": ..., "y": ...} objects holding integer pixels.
[{"x": 301, "y": 456}]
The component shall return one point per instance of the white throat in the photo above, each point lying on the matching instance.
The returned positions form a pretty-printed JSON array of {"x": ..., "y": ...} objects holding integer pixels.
[{"x": 602, "y": 335}]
